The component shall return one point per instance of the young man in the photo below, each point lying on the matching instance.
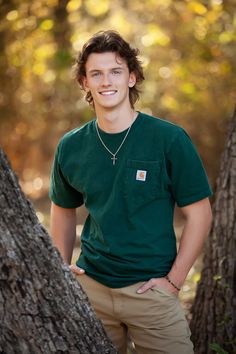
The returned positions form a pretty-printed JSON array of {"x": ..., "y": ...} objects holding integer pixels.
[{"x": 129, "y": 169}]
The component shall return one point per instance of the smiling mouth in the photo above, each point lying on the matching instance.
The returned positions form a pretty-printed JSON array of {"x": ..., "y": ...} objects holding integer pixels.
[{"x": 107, "y": 93}]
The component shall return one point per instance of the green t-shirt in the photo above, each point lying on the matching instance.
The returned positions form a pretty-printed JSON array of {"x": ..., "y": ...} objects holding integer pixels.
[{"x": 128, "y": 235}]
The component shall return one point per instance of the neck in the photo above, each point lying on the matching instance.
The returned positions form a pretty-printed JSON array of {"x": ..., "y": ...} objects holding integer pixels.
[{"x": 115, "y": 121}]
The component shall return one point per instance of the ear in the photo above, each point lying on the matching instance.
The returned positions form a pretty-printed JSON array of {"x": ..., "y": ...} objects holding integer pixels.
[
  {"x": 85, "y": 84},
  {"x": 132, "y": 79}
]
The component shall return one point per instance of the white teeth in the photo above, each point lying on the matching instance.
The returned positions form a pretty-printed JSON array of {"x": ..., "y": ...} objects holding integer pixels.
[{"x": 107, "y": 93}]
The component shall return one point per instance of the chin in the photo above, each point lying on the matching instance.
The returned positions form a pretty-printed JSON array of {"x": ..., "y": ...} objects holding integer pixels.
[{"x": 108, "y": 105}]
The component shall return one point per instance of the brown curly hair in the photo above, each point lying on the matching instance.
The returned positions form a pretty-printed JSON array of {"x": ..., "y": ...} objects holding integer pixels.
[{"x": 110, "y": 41}]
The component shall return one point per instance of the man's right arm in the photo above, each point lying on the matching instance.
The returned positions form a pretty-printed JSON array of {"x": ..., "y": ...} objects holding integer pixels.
[
  {"x": 63, "y": 230},
  {"x": 63, "y": 233}
]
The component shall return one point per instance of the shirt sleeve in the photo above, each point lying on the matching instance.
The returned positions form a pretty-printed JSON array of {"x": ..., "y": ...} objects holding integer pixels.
[
  {"x": 189, "y": 182},
  {"x": 60, "y": 190}
]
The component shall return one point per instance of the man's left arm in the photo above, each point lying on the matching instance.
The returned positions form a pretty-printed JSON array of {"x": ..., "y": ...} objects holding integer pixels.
[
  {"x": 198, "y": 219},
  {"x": 197, "y": 226}
]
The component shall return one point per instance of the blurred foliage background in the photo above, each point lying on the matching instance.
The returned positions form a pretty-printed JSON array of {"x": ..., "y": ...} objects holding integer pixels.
[{"x": 188, "y": 52}]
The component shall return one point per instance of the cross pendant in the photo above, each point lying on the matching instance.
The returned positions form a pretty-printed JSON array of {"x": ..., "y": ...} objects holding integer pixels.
[{"x": 114, "y": 158}]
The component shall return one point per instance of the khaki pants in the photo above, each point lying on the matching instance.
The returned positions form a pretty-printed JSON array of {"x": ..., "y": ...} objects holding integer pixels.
[{"x": 154, "y": 320}]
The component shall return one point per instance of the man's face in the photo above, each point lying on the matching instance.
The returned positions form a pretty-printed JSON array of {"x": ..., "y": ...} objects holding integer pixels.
[{"x": 108, "y": 79}]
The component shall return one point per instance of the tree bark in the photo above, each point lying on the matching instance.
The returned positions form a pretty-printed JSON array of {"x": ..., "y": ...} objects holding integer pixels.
[
  {"x": 43, "y": 309},
  {"x": 214, "y": 308}
]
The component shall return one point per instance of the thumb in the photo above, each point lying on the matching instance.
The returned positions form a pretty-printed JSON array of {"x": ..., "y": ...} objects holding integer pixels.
[
  {"x": 76, "y": 269},
  {"x": 144, "y": 287}
]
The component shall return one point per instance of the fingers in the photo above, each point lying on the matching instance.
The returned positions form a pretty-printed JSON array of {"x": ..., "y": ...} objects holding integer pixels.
[
  {"x": 76, "y": 270},
  {"x": 160, "y": 282},
  {"x": 148, "y": 285}
]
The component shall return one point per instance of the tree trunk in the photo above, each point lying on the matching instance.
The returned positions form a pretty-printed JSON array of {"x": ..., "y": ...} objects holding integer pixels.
[
  {"x": 42, "y": 307},
  {"x": 213, "y": 323}
]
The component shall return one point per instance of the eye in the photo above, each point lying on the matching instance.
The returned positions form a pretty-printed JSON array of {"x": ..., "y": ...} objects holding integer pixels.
[
  {"x": 116, "y": 72},
  {"x": 96, "y": 73}
]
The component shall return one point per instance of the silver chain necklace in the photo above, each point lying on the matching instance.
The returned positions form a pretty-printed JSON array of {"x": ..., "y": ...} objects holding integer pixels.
[{"x": 113, "y": 158}]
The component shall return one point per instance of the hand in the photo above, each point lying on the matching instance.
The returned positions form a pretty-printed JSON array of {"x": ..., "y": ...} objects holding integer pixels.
[
  {"x": 76, "y": 270},
  {"x": 161, "y": 282}
]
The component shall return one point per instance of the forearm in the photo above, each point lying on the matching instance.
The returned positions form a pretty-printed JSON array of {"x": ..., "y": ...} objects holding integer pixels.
[
  {"x": 196, "y": 229},
  {"x": 63, "y": 230}
]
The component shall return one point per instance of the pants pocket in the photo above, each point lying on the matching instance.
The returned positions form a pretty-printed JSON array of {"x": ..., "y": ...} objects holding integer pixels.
[{"x": 164, "y": 292}]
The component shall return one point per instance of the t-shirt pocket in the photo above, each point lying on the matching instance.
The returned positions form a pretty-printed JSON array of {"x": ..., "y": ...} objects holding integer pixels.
[{"x": 144, "y": 182}]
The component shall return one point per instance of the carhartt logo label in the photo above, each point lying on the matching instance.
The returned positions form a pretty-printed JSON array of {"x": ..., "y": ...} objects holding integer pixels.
[{"x": 141, "y": 175}]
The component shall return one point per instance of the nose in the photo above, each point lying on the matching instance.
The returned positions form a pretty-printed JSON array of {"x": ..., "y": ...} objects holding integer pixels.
[{"x": 106, "y": 80}]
